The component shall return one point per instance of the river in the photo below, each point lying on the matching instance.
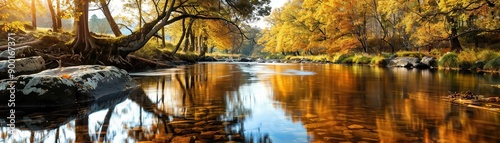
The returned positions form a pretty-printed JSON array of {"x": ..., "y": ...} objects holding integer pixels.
[{"x": 291, "y": 103}]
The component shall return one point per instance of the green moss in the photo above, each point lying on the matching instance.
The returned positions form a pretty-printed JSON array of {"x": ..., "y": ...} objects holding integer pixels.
[
  {"x": 152, "y": 49},
  {"x": 188, "y": 57},
  {"x": 409, "y": 54},
  {"x": 449, "y": 60},
  {"x": 275, "y": 56},
  {"x": 361, "y": 59}
]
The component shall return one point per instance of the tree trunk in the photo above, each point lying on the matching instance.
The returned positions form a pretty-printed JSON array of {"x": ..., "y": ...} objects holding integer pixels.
[
  {"x": 139, "y": 5},
  {"x": 204, "y": 46},
  {"x": 111, "y": 21},
  {"x": 181, "y": 38},
  {"x": 84, "y": 44},
  {"x": 58, "y": 16},
  {"x": 186, "y": 42},
  {"x": 192, "y": 40},
  {"x": 163, "y": 37},
  {"x": 53, "y": 16},
  {"x": 188, "y": 35},
  {"x": 454, "y": 42},
  {"x": 33, "y": 14}
]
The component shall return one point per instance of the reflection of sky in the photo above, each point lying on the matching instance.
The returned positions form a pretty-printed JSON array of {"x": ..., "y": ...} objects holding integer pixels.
[{"x": 266, "y": 118}]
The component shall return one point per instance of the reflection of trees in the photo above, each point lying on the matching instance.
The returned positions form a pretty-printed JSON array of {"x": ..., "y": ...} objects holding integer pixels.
[
  {"x": 392, "y": 101},
  {"x": 202, "y": 89}
]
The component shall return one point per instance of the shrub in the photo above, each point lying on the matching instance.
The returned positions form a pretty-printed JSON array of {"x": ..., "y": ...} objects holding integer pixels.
[
  {"x": 478, "y": 65},
  {"x": 449, "y": 60},
  {"x": 435, "y": 52},
  {"x": 492, "y": 64},
  {"x": 487, "y": 55},
  {"x": 347, "y": 60},
  {"x": 320, "y": 58},
  {"x": 339, "y": 58},
  {"x": 468, "y": 55},
  {"x": 378, "y": 60},
  {"x": 361, "y": 59},
  {"x": 275, "y": 56},
  {"x": 465, "y": 65}
]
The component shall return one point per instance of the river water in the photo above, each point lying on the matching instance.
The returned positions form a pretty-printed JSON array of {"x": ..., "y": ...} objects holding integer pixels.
[{"x": 290, "y": 103}]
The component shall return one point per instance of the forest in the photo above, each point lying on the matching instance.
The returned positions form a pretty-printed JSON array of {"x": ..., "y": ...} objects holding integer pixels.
[
  {"x": 374, "y": 26},
  {"x": 321, "y": 29},
  {"x": 160, "y": 28}
]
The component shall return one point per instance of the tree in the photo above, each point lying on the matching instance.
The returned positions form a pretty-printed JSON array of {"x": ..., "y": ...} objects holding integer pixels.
[
  {"x": 55, "y": 26},
  {"x": 111, "y": 20},
  {"x": 33, "y": 14},
  {"x": 87, "y": 47}
]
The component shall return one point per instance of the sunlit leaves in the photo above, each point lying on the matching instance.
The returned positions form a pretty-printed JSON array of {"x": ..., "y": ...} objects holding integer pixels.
[{"x": 339, "y": 25}]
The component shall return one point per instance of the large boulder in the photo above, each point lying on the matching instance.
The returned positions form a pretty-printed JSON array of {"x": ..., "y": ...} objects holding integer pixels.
[
  {"x": 407, "y": 62},
  {"x": 429, "y": 61},
  {"x": 66, "y": 85},
  {"x": 21, "y": 66},
  {"x": 244, "y": 59}
]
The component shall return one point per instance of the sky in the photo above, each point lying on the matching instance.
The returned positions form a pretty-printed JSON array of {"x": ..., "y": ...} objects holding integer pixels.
[
  {"x": 274, "y": 4},
  {"x": 115, "y": 9}
]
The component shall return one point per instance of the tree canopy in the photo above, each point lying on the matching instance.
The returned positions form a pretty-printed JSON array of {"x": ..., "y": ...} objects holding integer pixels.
[{"x": 371, "y": 26}]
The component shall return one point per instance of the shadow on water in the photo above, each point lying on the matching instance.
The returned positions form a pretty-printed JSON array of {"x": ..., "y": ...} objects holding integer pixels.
[
  {"x": 250, "y": 102},
  {"x": 182, "y": 103}
]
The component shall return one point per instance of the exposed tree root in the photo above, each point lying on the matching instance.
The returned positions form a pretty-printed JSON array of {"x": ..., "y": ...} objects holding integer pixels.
[{"x": 141, "y": 62}]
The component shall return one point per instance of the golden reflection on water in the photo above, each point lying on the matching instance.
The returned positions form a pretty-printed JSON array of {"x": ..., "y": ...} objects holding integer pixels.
[{"x": 295, "y": 103}]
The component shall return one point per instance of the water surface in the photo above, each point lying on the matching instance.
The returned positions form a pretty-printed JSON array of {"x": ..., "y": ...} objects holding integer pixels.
[{"x": 290, "y": 103}]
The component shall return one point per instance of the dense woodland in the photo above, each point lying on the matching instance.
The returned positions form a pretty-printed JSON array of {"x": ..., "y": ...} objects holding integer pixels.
[
  {"x": 193, "y": 26},
  {"x": 374, "y": 26}
]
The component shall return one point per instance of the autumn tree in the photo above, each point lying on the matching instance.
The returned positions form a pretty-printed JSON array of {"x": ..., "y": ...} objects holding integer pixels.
[
  {"x": 325, "y": 26},
  {"x": 114, "y": 51},
  {"x": 105, "y": 10}
]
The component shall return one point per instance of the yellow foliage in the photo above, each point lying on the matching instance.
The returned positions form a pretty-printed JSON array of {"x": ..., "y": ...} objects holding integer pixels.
[
  {"x": 15, "y": 26},
  {"x": 342, "y": 25}
]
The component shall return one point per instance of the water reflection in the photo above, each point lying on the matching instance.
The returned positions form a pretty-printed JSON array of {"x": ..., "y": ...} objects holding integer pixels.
[{"x": 280, "y": 103}]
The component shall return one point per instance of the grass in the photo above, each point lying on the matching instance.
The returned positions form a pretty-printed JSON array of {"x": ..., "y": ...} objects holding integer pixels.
[
  {"x": 340, "y": 57},
  {"x": 410, "y": 54},
  {"x": 275, "y": 56},
  {"x": 493, "y": 64},
  {"x": 378, "y": 60},
  {"x": 223, "y": 55},
  {"x": 449, "y": 60},
  {"x": 311, "y": 57},
  {"x": 361, "y": 59}
]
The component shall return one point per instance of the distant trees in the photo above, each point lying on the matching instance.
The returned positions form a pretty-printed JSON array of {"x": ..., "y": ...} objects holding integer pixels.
[{"x": 325, "y": 26}]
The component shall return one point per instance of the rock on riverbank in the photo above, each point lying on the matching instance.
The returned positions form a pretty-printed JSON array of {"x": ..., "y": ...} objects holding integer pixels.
[{"x": 56, "y": 87}]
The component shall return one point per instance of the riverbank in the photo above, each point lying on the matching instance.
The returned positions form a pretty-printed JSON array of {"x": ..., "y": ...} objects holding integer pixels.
[{"x": 473, "y": 60}]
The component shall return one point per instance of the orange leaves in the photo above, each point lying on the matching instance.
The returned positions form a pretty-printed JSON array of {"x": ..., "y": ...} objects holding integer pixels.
[{"x": 66, "y": 76}]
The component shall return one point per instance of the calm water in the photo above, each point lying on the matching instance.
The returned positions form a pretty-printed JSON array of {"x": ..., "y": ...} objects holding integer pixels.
[{"x": 282, "y": 103}]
